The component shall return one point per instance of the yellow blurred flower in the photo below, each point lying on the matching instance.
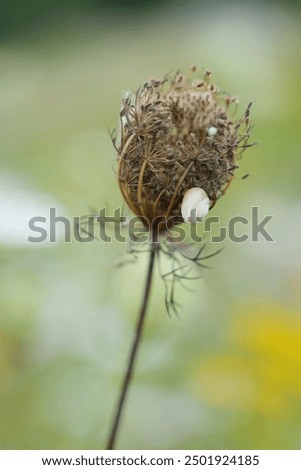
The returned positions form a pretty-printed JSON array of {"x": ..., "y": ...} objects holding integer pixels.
[
  {"x": 261, "y": 369},
  {"x": 225, "y": 381}
]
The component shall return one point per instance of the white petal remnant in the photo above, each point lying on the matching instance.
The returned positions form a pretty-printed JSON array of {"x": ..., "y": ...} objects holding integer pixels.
[
  {"x": 195, "y": 205},
  {"x": 212, "y": 131}
]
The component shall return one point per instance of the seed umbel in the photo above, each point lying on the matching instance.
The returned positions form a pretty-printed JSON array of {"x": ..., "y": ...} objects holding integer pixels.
[{"x": 177, "y": 134}]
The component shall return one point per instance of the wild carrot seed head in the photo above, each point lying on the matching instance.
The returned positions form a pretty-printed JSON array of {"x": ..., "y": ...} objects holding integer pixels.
[{"x": 176, "y": 134}]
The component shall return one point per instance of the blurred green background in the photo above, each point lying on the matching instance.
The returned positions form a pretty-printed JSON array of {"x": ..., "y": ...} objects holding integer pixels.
[{"x": 224, "y": 375}]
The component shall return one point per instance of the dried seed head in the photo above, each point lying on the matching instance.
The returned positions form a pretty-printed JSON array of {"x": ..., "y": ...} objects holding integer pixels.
[{"x": 176, "y": 134}]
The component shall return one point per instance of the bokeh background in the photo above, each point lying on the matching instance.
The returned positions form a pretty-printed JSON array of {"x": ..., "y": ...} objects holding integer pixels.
[{"x": 225, "y": 374}]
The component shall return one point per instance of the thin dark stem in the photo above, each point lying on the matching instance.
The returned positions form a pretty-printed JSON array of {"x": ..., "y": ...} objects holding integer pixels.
[{"x": 133, "y": 353}]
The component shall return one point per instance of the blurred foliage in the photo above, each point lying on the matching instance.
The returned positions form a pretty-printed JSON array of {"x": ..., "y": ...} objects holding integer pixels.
[
  {"x": 19, "y": 16},
  {"x": 226, "y": 374}
]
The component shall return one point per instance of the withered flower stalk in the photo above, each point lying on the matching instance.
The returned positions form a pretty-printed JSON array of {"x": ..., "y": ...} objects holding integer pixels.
[{"x": 175, "y": 134}]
